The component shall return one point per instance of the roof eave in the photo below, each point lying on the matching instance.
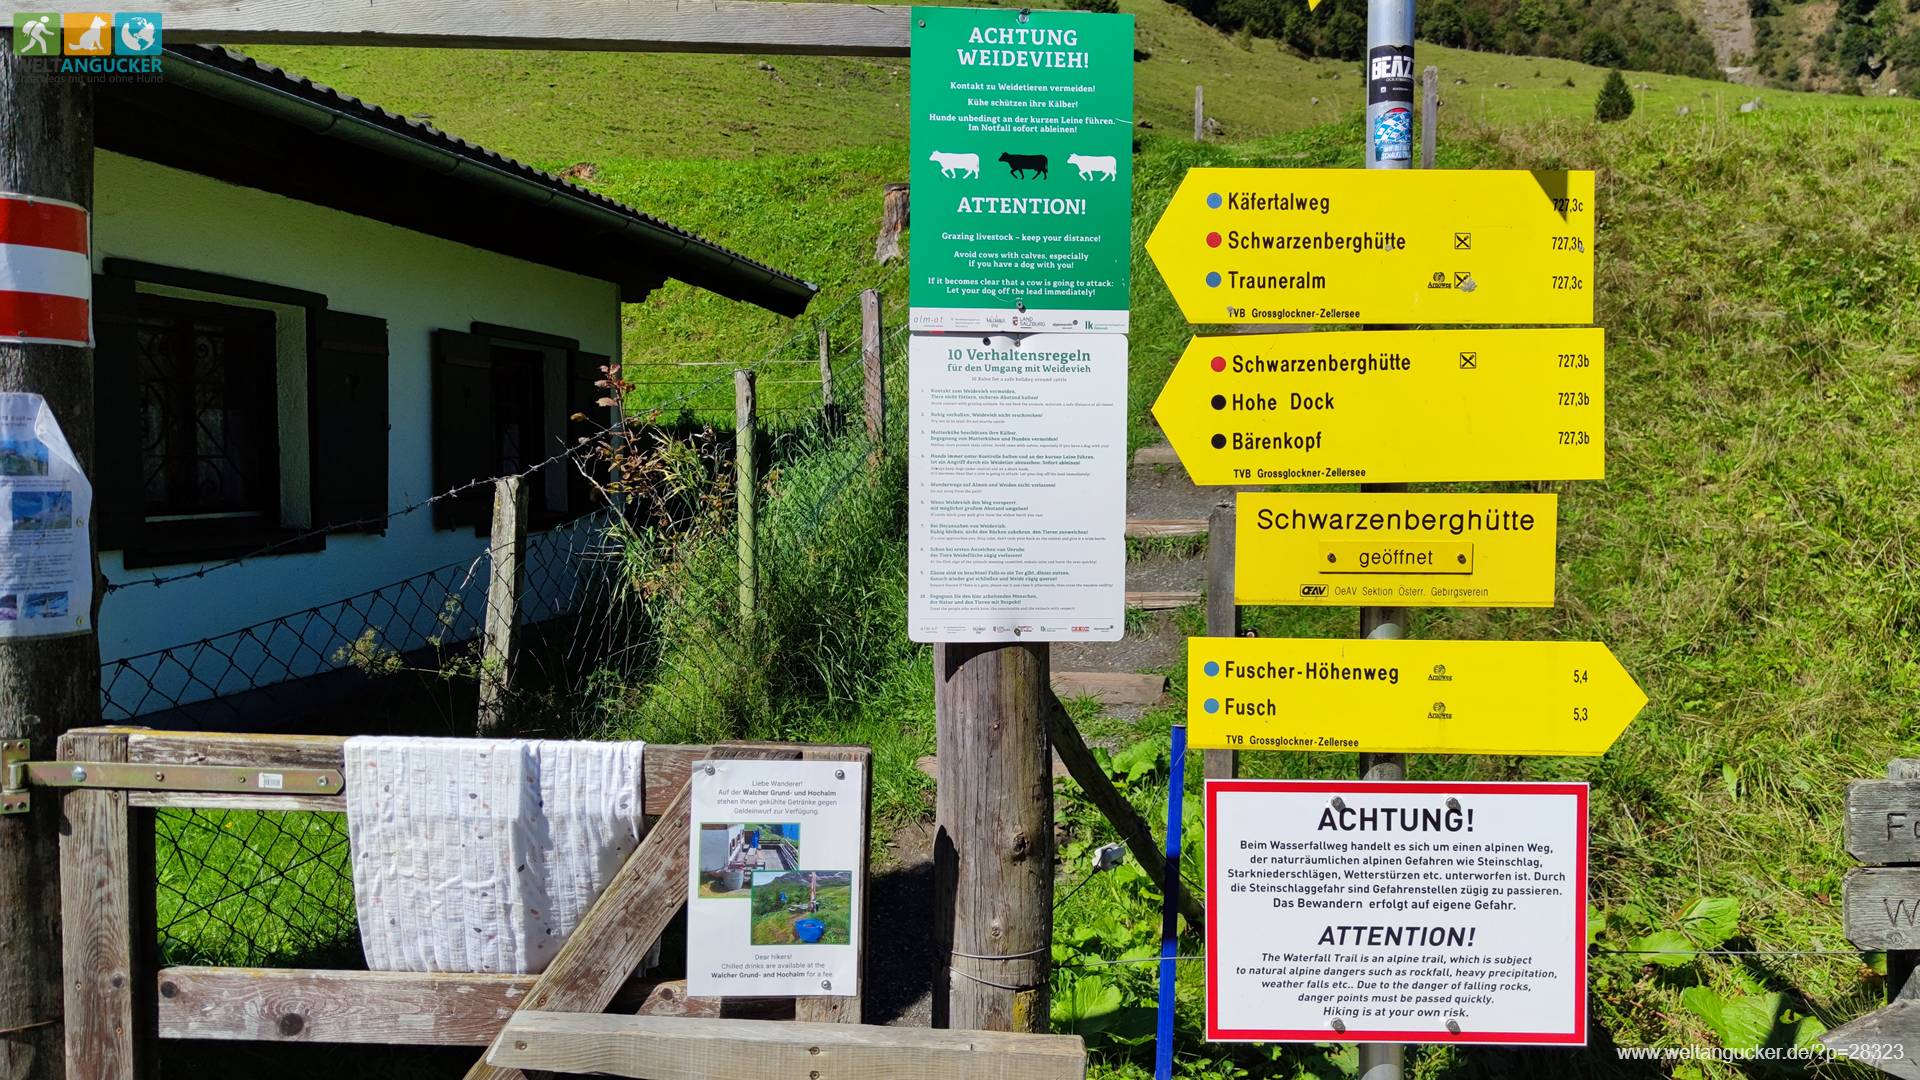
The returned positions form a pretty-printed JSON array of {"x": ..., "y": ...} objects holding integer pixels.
[{"x": 703, "y": 264}]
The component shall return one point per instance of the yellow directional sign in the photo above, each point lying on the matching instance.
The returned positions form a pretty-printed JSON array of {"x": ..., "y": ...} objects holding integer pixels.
[
  {"x": 1427, "y": 697},
  {"x": 1389, "y": 406},
  {"x": 1379, "y": 246},
  {"x": 1401, "y": 549}
]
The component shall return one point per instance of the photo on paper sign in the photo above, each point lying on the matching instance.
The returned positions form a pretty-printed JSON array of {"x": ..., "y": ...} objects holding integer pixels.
[
  {"x": 23, "y": 457},
  {"x": 46, "y": 605},
  {"x": 731, "y": 852},
  {"x": 39, "y": 511},
  {"x": 803, "y": 907}
]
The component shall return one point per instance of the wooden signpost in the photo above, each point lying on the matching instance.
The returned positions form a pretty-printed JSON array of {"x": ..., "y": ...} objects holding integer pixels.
[{"x": 1881, "y": 906}]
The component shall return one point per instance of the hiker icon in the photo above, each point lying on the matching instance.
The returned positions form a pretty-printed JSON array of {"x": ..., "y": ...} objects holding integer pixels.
[{"x": 35, "y": 33}]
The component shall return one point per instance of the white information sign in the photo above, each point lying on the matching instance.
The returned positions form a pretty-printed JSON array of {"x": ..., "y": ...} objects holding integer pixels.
[
  {"x": 1348, "y": 911},
  {"x": 1019, "y": 489},
  {"x": 775, "y": 894},
  {"x": 46, "y": 562}
]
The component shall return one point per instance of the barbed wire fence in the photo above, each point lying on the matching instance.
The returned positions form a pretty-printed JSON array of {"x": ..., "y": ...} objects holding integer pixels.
[{"x": 632, "y": 619}]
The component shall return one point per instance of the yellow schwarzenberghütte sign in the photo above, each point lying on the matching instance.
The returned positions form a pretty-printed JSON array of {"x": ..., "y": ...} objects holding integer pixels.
[
  {"x": 1379, "y": 246},
  {"x": 1389, "y": 406},
  {"x": 1395, "y": 549}
]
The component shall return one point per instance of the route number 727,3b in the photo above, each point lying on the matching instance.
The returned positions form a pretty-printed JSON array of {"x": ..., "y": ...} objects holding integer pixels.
[{"x": 1575, "y": 438}]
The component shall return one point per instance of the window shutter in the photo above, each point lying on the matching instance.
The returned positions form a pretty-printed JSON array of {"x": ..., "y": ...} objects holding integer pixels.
[
  {"x": 583, "y": 370},
  {"x": 119, "y": 499},
  {"x": 347, "y": 383},
  {"x": 463, "y": 449}
]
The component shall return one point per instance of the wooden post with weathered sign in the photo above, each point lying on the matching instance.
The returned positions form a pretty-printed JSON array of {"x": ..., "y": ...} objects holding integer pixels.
[
  {"x": 53, "y": 683},
  {"x": 1880, "y": 904}
]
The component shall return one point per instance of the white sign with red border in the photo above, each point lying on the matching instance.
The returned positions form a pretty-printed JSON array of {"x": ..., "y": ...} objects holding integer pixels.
[
  {"x": 1350, "y": 911},
  {"x": 46, "y": 276}
]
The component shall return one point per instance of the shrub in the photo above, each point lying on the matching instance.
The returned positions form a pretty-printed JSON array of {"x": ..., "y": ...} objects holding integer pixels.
[
  {"x": 1102, "y": 7},
  {"x": 1615, "y": 101}
]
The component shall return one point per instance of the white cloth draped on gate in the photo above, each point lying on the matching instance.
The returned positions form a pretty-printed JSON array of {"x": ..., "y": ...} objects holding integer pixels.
[{"x": 483, "y": 854}]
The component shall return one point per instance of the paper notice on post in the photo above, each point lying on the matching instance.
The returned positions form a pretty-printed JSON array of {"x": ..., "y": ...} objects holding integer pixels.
[
  {"x": 775, "y": 892},
  {"x": 46, "y": 506},
  {"x": 1018, "y": 481}
]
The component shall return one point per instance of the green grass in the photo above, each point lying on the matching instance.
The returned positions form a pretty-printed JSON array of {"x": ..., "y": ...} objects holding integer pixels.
[{"x": 773, "y": 924}]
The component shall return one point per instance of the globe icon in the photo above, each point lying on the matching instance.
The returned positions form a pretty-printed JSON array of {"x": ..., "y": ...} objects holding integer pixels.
[{"x": 137, "y": 34}]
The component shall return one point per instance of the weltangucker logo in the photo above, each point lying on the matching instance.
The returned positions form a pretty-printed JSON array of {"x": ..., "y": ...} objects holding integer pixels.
[{"x": 119, "y": 46}]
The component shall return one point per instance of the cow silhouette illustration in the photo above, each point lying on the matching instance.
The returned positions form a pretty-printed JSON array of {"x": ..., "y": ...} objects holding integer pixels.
[
  {"x": 964, "y": 164},
  {"x": 1026, "y": 166},
  {"x": 1094, "y": 168}
]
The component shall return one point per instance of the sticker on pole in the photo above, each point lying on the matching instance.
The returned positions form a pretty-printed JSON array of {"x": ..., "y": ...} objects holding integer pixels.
[
  {"x": 1349, "y": 911},
  {"x": 46, "y": 278}
]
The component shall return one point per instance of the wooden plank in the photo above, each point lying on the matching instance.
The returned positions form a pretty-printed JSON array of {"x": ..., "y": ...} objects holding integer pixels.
[
  {"x": 299, "y": 1005},
  {"x": 724, "y": 26},
  {"x": 666, "y": 765},
  {"x": 1156, "y": 454},
  {"x": 1161, "y": 601},
  {"x": 689, "y": 1049},
  {"x": 1883, "y": 822},
  {"x": 1881, "y": 907},
  {"x": 99, "y": 956},
  {"x": 226, "y": 748},
  {"x": 848, "y": 1009},
  {"x": 1223, "y": 615},
  {"x": 1107, "y": 798},
  {"x": 1879, "y": 1034},
  {"x": 236, "y": 800},
  {"x": 1165, "y": 528},
  {"x": 1109, "y": 687},
  {"x": 614, "y": 936},
  {"x": 382, "y": 1007},
  {"x": 505, "y": 541}
]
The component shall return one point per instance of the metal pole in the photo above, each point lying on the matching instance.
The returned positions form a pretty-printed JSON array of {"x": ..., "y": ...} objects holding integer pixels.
[{"x": 1389, "y": 145}]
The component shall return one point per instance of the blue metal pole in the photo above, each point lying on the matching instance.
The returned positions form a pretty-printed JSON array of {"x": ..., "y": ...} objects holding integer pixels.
[{"x": 1170, "y": 906}]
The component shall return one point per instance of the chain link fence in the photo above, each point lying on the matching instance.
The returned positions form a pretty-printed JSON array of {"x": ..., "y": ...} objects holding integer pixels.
[{"x": 634, "y": 623}]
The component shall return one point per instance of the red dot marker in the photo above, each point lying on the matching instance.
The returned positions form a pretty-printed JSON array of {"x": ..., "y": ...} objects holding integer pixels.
[
  {"x": 1219, "y": 363},
  {"x": 1213, "y": 239}
]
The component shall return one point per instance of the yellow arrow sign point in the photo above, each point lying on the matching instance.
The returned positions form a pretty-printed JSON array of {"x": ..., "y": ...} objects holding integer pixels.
[
  {"x": 1379, "y": 245},
  {"x": 1389, "y": 406},
  {"x": 1549, "y": 698}
]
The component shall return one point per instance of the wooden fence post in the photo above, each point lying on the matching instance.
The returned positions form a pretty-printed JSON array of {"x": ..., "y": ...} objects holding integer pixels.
[
  {"x": 993, "y": 836},
  {"x": 107, "y": 1035},
  {"x": 893, "y": 220},
  {"x": 506, "y": 546},
  {"x": 873, "y": 367},
  {"x": 1199, "y": 113},
  {"x": 829, "y": 408},
  {"x": 746, "y": 484},
  {"x": 1223, "y": 615},
  {"x": 46, "y": 684}
]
